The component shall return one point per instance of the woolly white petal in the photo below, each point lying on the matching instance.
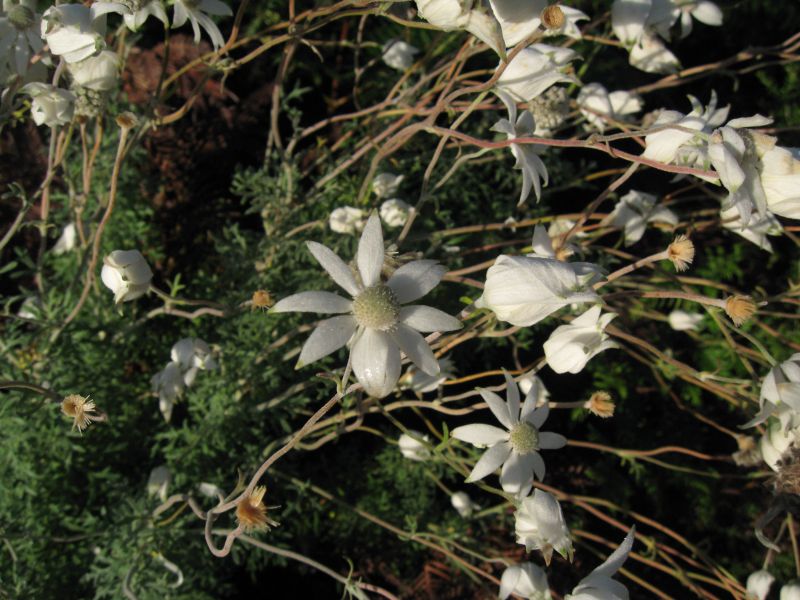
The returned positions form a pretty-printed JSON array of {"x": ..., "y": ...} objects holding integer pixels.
[
  {"x": 317, "y": 302},
  {"x": 415, "y": 279},
  {"x": 517, "y": 472},
  {"x": 335, "y": 267},
  {"x": 551, "y": 441},
  {"x": 498, "y": 407},
  {"x": 370, "y": 252},
  {"x": 480, "y": 434},
  {"x": 426, "y": 318},
  {"x": 376, "y": 362},
  {"x": 415, "y": 348},
  {"x": 490, "y": 461},
  {"x": 329, "y": 336}
]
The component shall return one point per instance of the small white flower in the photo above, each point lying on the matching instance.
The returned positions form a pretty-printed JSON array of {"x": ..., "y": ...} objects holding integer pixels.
[
  {"x": 421, "y": 382},
  {"x": 413, "y": 445},
  {"x": 532, "y": 167},
  {"x": 31, "y": 309},
  {"x": 534, "y": 70},
  {"x": 463, "y": 504},
  {"x": 703, "y": 10},
  {"x": 20, "y": 35},
  {"x": 144, "y": 9},
  {"x": 158, "y": 482},
  {"x": 127, "y": 274},
  {"x": 520, "y": 18},
  {"x": 791, "y": 591},
  {"x": 779, "y": 170},
  {"x": 394, "y": 212},
  {"x": 168, "y": 384},
  {"x": 530, "y": 384},
  {"x": 377, "y": 326},
  {"x": 525, "y": 580},
  {"x": 599, "y": 585},
  {"x": 75, "y": 32},
  {"x": 210, "y": 490},
  {"x": 635, "y": 210},
  {"x": 758, "y": 584},
  {"x": 67, "y": 241},
  {"x": 649, "y": 54},
  {"x": 399, "y": 54},
  {"x": 680, "y": 320},
  {"x": 539, "y": 525},
  {"x": 595, "y": 103},
  {"x": 51, "y": 106},
  {"x": 450, "y": 15},
  {"x": 780, "y": 393},
  {"x": 386, "y": 185},
  {"x": 628, "y": 18},
  {"x": 775, "y": 442},
  {"x": 99, "y": 73},
  {"x": 192, "y": 354},
  {"x": 347, "y": 219},
  {"x": 195, "y": 11},
  {"x": 517, "y": 446},
  {"x": 571, "y": 346},
  {"x": 756, "y": 230}
]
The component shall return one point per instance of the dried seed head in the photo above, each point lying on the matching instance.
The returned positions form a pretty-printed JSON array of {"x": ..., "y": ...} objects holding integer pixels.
[
  {"x": 601, "y": 405},
  {"x": 748, "y": 454},
  {"x": 552, "y": 17},
  {"x": 739, "y": 309},
  {"x": 78, "y": 408},
  {"x": 252, "y": 513},
  {"x": 681, "y": 252},
  {"x": 787, "y": 480},
  {"x": 127, "y": 120},
  {"x": 262, "y": 299}
]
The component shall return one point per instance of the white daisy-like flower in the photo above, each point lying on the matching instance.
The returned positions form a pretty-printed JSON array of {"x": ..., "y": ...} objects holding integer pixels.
[
  {"x": 634, "y": 211},
  {"x": 195, "y": 12},
  {"x": 74, "y": 31},
  {"x": 520, "y": 18},
  {"x": 385, "y": 185},
  {"x": 791, "y": 591},
  {"x": 780, "y": 393},
  {"x": 192, "y": 354},
  {"x": 158, "y": 482},
  {"x": 758, "y": 584},
  {"x": 99, "y": 73},
  {"x": 376, "y": 325},
  {"x": 50, "y": 105},
  {"x": 463, "y": 504},
  {"x": 571, "y": 346},
  {"x": 757, "y": 230},
  {"x": 20, "y": 33},
  {"x": 67, "y": 240},
  {"x": 414, "y": 446},
  {"x": 141, "y": 10},
  {"x": 517, "y": 446},
  {"x": 451, "y": 15},
  {"x": 534, "y": 70},
  {"x": 525, "y": 580},
  {"x": 394, "y": 212},
  {"x": 127, "y": 274},
  {"x": 595, "y": 103},
  {"x": 539, "y": 525},
  {"x": 346, "y": 219},
  {"x": 599, "y": 585},
  {"x": 680, "y": 320},
  {"x": 532, "y": 167},
  {"x": 423, "y": 383},
  {"x": 168, "y": 384},
  {"x": 399, "y": 54}
]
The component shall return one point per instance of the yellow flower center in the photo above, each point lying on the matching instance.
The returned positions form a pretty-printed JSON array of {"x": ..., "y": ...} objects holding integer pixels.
[
  {"x": 377, "y": 308},
  {"x": 524, "y": 438}
]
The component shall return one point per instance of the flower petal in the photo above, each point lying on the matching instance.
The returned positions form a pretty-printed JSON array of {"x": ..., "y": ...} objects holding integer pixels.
[
  {"x": 539, "y": 416},
  {"x": 370, "y": 251},
  {"x": 335, "y": 267},
  {"x": 517, "y": 472},
  {"x": 512, "y": 398},
  {"x": 498, "y": 407},
  {"x": 426, "y": 318},
  {"x": 329, "y": 336},
  {"x": 538, "y": 465},
  {"x": 416, "y": 348},
  {"x": 551, "y": 441},
  {"x": 415, "y": 279},
  {"x": 317, "y": 302},
  {"x": 376, "y": 362},
  {"x": 490, "y": 461},
  {"x": 480, "y": 434}
]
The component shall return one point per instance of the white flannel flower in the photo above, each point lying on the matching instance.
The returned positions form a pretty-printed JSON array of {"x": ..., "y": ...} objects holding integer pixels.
[
  {"x": 127, "y": 274},
  {"x": 791, "y": 591},
  {"x": 703, "y": 10},
  {"x": 50, "y": 105},
  {"x": 67, "y": 240},
  {"x": 680, "y": 320},
  {"x": 628, "y": 18},
  {"x": 192, "y": 354},
  {"x": 347, "y": 219},
  {"x": 463, "y": 504},
  {"x": 394, "y": 212},
  {"x": 539, "y": 525},
  {"x": 757, "y": 228},
  {"x": 534, "y": 70},
  {"x": 517, "y": 446},
  {"x": 141, "y": 10},
  {"x": 99, "y": 73},
  {"x": 195, "y": 12},
  {"x": 158, "y": 482},
  {"x": 413, "y": 445},
  {"x": 168, "y": 384},
  {"x": 597, "y": 105},
  {"x": 525, "y": 580},
  {"x": 450, "y": 15},
  {"x": 530, "y": 384},
  {"x": 649, "y": 54},
  {"x": 399, "y": 54},
  {"x": 599, "y": 585},
  {"x": 421, "y": 382},
  {"x": 20, "y": 33},
  {"x": 758, "y": 584},
  {"x": 634, "y": 211},
  {"x": 779, "y": 169},
  {"x": 532, "y": 167},
  {"x": 75, "y": 32},
  {"x": 780, "y": 393},
  {"x": 520, "y": 18},
  {"x": 571, "y": 346},
  {"x": 377, "y": 326},
  {"x": 386, "y": 185},
  {"x": 210, "y": 490}
]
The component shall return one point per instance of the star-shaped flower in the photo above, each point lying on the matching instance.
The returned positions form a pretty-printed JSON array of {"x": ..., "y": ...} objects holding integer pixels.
[
  {"x": 374, "y": 322},
  {"x": 517, "y": 446}
]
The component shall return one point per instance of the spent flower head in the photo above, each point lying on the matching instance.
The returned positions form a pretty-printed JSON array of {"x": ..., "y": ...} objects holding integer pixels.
[
  {"x": 79, "y": 409},
  {"x": 251, "y": 512}
]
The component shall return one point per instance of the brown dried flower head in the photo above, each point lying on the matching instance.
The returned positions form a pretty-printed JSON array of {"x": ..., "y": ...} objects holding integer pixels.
[
  {"x": 127, "y": 120},
  {"x": 681, "y": 252},
  {"x": 787, "y": 480},
  {"x": 740, "y": 308},
  {"x": 251, "y": 512},
  {"x": 601, "y": 405},
  {"x": 262, "y": 299},
  {"x": 78, "y": 408},
  {"x": 552, "y": 17}
]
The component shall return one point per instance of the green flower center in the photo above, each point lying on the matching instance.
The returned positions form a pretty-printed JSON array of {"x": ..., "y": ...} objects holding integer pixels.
[
  {"x": 377, "y": 308},
  {"x": 524, "y": 438},
  {"x": 21, "y": 17}
]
